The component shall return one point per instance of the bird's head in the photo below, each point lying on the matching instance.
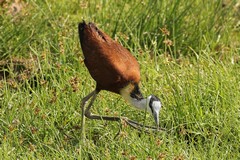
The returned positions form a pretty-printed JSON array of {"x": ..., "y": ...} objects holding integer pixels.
[
  {"x": 152, "y": 103},
  {"x": 154, "y": 106}
]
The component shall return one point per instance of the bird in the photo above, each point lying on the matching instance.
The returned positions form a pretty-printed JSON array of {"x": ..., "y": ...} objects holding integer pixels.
[{"x": 114, "y": 69}]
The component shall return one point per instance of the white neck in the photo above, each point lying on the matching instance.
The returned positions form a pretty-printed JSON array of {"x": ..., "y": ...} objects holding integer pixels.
[
  {"x": 139, "y": 104},
  {"x": 142, "y": 104}
]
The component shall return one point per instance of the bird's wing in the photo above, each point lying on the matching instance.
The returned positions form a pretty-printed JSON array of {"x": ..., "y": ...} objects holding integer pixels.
[{"x": 108, "y": 62}]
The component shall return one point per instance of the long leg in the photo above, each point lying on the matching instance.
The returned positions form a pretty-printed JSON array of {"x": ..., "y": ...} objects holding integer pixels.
[
  {"x": 83, "y": 103},
  {"x": 89, "y": 115},
  {"x": 132, "y": 123}
]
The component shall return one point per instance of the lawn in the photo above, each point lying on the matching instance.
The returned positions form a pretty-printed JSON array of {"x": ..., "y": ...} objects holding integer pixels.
[{"x": 189, "y": 54}]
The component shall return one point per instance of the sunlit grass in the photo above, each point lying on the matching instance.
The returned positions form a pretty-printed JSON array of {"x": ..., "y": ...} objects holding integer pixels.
[{"x": 189, "y": 57}]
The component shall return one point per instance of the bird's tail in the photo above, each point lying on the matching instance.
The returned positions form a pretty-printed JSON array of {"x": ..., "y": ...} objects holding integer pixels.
[
  {"x": 85, "y": 29},
  {"x": 81, "y": 26}
]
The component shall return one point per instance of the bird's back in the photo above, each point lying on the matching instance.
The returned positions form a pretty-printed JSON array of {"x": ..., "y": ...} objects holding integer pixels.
[{"x": 111, "y": 65}]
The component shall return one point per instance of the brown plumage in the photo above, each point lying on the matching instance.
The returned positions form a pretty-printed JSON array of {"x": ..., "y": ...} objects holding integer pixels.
[
  {"x": 114, "y": 69},
  {"x": 111, "y": 65}
]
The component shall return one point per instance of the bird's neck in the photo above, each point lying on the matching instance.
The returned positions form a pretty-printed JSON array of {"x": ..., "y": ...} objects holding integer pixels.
[{"x": 139, "y": 103}]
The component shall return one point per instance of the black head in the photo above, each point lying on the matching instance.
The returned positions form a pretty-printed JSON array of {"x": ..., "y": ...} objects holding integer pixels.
[{"x": 155, "y": 106}]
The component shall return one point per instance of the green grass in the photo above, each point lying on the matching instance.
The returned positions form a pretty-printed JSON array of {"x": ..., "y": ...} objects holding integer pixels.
[{"x": 43, "y": 79}]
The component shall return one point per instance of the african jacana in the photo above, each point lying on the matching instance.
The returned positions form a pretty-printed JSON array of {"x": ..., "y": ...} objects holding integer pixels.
[{"x": 114, "y": 69}]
